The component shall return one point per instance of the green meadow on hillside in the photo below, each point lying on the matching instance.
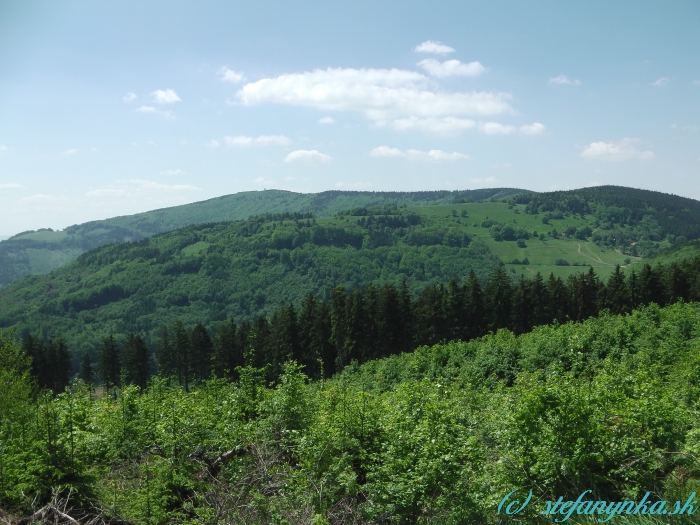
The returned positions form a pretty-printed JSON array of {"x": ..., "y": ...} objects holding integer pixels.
[{"x": 541, "y": 254}]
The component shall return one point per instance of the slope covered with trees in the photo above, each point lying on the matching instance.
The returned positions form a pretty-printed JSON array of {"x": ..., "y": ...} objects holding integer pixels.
[
  {"x": 39, "y": 252},
  {"x": 235, "y": 270}
]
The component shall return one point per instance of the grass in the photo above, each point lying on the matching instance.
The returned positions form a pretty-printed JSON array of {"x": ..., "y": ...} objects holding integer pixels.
[{"x": 541, "y": 254}]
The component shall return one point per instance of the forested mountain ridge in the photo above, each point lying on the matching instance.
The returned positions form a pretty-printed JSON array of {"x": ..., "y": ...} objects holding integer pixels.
[
  {"x": 244, "y": 270},
  {"x": 39, "y": 252}
]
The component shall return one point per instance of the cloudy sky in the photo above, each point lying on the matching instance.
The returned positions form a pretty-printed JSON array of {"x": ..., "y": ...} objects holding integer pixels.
[{"x": 114, "y": 108}]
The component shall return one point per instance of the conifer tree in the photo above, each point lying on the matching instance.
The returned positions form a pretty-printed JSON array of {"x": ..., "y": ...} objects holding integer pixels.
[
  {"x": 202, "y": 350},
  {"x": 136, "y": 361},
  {"x": 182, "y": 351},
  {"x": 109, "y": 367},
  {"x": 228, "y": 354},
  {"x": 616, "y": 294},
  {"x": 86, "y": 373},
  {"x": 167, "y": 362},
  {"x": 499, "y": 293},
  {"x": 558, "y": 306},
  {"x": 474, "y": 308},
  {"x": 539, "y": 299}
]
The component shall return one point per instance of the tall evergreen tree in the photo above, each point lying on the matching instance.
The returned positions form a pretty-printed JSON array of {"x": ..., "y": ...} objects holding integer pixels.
[
  {"x": 615, "y": 294},
  {"x": 108, "y": 363},
  {"x": 584, "y": 290},
  {"x": 522, "y": 314},
  {"x": 499, "y": 293},
  {"x": 338, "y": 325},
  {"x": 182, "y": 351},
  {"x": 650, "y": 288},
  {"x": 202, "y": 351},
  {"x": 475, "y": 314},
  {"x": 539, "y": 299},
  {"x": 59, "y": 362},
  {"x": 228, "y": 353},
  {"x": 86, "y": 373},
  {"x": 558, "y": 306},
  {"x": 167, "y": 361},
  {"x": 136, "y": 361},
  {"x": 429, "y": 316}
]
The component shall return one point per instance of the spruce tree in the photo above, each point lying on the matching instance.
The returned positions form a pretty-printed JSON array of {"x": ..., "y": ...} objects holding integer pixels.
[
  {"x": 86, "y": 373},
  {"x": 136, "y": 361},
  {"x": 167, "y": 362},
  {"x": 499, "y": 293},
  {"x": 475, "y": 315},
  {"x": 202, "y": 351},
  {"x": 182, "y": 351},
  {"x": 109, "y": 367},
  {"x": 228, "y": 354}
]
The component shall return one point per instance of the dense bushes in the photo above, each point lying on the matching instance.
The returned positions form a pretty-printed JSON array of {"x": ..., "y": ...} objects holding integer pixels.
[{"x": 440, "y": 434}]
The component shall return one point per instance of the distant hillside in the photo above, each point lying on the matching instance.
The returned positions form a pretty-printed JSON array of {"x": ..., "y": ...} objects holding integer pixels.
[
  {"x": 39, "y": 252},
  {"x": 638, "y": 222},
  {"x": 206, "y": 273}
]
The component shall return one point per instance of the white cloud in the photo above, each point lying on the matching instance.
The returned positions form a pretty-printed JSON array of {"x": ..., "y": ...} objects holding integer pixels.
[
  {"x": 263, "y": 180},
  {"x": 505, "y": 165},
  {"x": 262, "y": 140},
  {"x": 9, "y": 185},
  {"x": 135, "y": 188},
  {"x": 306, "y": 156},
  {"x": 358, "y": 185},
  {"x": 3, "y": 147},
  {"x": 433, "y": 125},
  {"x": 616, "y": 151},
  {"x": 151, "y": 109},
  {"x": 381, "y": 94},
  {"x": 290, "y": 178},
  {"x": 437, "y": 48},
  {"x": 213, "y": 143},
  {"x": 564, "y": 80},
  {"x": 696, "y": 82},
  {"x": 39, "y": 197},
  {"x": 165, "y": 96},
  {"x": 326, "y": 120},
  {"x": 451, "y": 68},
  {"x": 415, "y": 154},
  {"x": 106, "y": 192},
  {"x": 494, "y": 128},
  {"x": 661, "y": 82},
  {"x": 173, "y": 172},
  {"x": 71, "y": 151},
  {"x": 533, "y": 129},
  {"x": 487, "y": 180},
  {"x": 129, "y": 97},
  {"x": 684, "y": 128},
  {"x": 228, "y": 75}
]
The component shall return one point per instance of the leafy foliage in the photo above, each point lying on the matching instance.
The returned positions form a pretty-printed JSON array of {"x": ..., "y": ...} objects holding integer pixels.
[{"x": 435, "y": 435}]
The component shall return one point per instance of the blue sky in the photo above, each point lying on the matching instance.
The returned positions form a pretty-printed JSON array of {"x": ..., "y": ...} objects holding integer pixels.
[{"x": 114, "y": 108}]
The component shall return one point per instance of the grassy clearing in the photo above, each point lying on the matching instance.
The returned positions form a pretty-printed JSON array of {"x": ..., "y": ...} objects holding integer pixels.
[{"x": 541, "y": 254}]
